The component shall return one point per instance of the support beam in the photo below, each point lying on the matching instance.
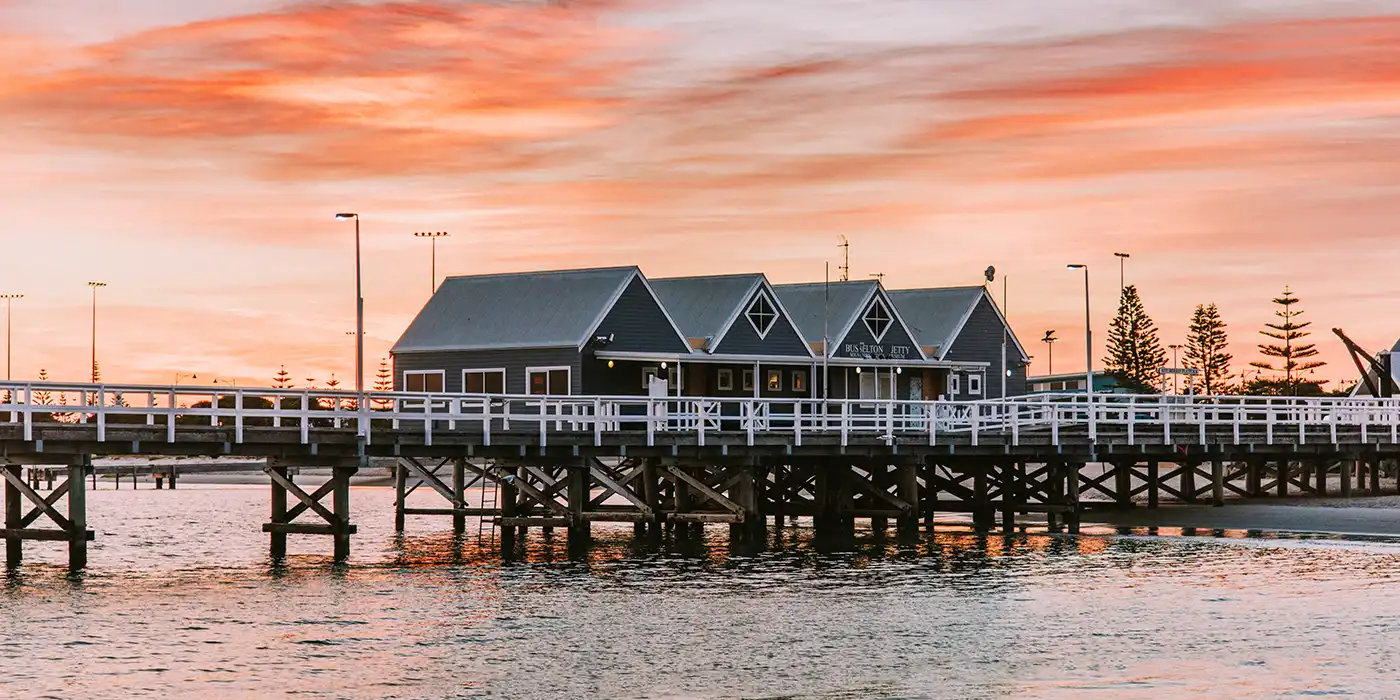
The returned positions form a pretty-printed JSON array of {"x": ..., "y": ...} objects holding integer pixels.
[
  {"x": 1154, "y": 483},
  {"x": 77, "y": 515},
  {"x": 14, "y": 546},
  {"x": 1217, "y": 480},
  {"x": 459, "y": 495},
  {"x": 279, "y": 512},
  {"x": 907, "y": 488},
  {"x": 400, "y": 485},
  {"x": 579, "y": 528}
]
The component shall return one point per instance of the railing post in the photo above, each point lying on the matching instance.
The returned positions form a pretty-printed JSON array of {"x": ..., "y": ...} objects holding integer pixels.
[
  {"x": 932, "y": 423},
  {"x": 101, "y": 414},
  {"x": 597, "y": 422},
  {"x": 238, "y": 417},
  {"x": 305, "y": 418},
  {"x": 651, "y": 426},
  {"x": 753, "y": 417},
  {"x": 845, "y": 419},
  {"x": 486, "y": 421},
  {"x": 796, "y": 425}
]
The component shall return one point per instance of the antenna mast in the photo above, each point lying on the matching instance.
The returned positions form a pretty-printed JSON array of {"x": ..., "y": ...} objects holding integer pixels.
[{"x": 845, "y": 267}]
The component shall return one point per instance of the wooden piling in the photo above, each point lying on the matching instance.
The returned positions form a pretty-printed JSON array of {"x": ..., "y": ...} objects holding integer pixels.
[
  {"x": 907, "y": 489},
  {"x": 879, "y": 478},
  {"x": 1123, "y": 483},
  {"x": 508, "y": 502},
  {"x": 1321, "y": 471},
  {"x": 1188, "y": 479},
  {"x": 577, "y": 488},
  {"x": 77, "y": 515},
  {"x": 1010, "y": 485},
  {"x": 1217, "y": 480},
  {"x": 172, "y": 474},
  {"x": 777, "y": 495},
  {"x": 14, "y": 546},
  {"x": 1346, "y": 470},
  {"x": 459, "y": 495},
  {"x": 400, "y": 489},
  {"x": 1154, "y": 483},
  {"x": 1072, "y": 517},
  {"x": 279, "y": 513},
  {"x": 981, "y": 505},
  {"x": 340, "y": 500},
  {"x": 1253, "y": 480},
  {"x": 1376, "y": 475},
  {"x": 1281, "y": 486}
]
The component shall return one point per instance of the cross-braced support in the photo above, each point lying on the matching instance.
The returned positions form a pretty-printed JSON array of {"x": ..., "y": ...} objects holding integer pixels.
[
  {"x": 71, "y": 528},
  {"x": 455, "y": 493},
  {"x": 337, "y": 517}
]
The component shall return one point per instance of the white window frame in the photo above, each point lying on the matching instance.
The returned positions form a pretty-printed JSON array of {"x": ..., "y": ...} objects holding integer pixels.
[
  {"x": 769, "y": 374},
  {"x": 440, "y": 373},
  {"x": 484, "y": 370},
  {"x": 796, "y": 374},
  {"x": 675, "y": 378},
  {"x": 889, "y": 318},
  {"x": 748, "y": 379},
  {"x": 974, "y": 384},
  {"x": 552, "y": 368},
  {"x": 954, "y": 383},
  {"x": 724, "y": 380},
  {"x": 772, "y": 308}
]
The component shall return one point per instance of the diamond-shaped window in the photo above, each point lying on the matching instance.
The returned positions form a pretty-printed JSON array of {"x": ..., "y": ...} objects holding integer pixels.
[{"x": 762, "y": 314}]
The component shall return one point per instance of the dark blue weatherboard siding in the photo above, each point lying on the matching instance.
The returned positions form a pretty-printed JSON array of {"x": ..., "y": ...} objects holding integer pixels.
[
  {"x": 980, "y": 341},
  {"x": 638, "y": 324},
  {"x": 889, "y": 346},
  {"x": 514, "y": 361},
  {"x": 742, "y": 339}
]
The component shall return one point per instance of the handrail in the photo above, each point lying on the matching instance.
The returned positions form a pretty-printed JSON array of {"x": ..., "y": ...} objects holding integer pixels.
[{"x": 1062, "y": 417}]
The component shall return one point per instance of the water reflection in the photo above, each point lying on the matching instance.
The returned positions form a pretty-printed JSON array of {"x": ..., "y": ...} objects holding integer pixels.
[{"x": 190, "y": 597}]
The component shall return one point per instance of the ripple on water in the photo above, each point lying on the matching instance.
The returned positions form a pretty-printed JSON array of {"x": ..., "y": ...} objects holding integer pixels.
[{"x": 191, "y": 602}]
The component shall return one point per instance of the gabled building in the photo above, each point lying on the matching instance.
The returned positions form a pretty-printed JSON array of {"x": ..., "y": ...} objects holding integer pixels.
[
  {"x": 743, "y": 341},
  {"x": 867, "y": 349},
  {"x": 964, "y": 326},
  {"x": 536, "y": 333}
]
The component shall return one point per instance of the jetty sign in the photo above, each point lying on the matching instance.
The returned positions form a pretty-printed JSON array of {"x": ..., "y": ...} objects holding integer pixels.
[{"x": 1190, "y": 371}]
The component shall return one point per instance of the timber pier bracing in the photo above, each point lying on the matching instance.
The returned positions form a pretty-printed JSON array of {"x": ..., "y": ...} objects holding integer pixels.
[{"x": 672, "y": 463}]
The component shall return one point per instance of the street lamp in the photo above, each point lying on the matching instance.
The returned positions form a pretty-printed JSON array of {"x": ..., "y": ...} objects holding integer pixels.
[
  {"x": 1122, "y": 257},
  {"x": 95, "y": 286},
  {"x": 1050, "y": 341},
  {"x": 432, "y": 236},
  {"x": 1088, "y": 349},
  {"x": 8, "y": 298},
  {"x": 182, "y": 375},
  {"x": 359, "y": 333},
  {"x": 1175, "y": 365}
]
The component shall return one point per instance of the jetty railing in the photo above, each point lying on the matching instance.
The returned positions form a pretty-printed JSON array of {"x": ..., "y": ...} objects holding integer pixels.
[{"x": 1052, "y": 419}]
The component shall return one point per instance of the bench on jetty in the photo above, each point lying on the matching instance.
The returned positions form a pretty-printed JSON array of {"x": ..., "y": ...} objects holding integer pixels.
[{"x": 679, "y": 462}]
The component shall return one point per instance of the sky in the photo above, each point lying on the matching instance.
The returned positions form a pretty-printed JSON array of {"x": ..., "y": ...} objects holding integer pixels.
[{"x": 192, "y": 155}]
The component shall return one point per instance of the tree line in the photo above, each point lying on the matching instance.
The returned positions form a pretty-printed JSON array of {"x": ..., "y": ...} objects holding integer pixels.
[{"x": 1135, "y": 353}]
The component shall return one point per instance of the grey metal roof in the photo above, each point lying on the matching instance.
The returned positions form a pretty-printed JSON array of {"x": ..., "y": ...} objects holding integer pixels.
[
  {"x": 528, "y": 309},
  {"x": 807, "y": 305},
  {"x": 935, "y": 315},
  {"x": 702, "y": 306}
]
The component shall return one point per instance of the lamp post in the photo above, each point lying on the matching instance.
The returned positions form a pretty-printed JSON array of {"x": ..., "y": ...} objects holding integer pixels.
[
  {"x": 1122, "y": 258},
  {"x": 8, "y": 298},
  {"x": 1175, "y": 364},
  {"x": 182, "y": 375},
  {"x": 360, "y": 436},
  {"x": 432, "y": 236},
  {"x": 1088, "y": 350},
  {"x": 1050, "y": 341},
  {"x": 95, "y": 286}
]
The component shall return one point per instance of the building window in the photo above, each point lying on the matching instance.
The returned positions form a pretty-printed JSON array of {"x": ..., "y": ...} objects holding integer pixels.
[
  {"x": 674, "y": 377},
  {"x": 484, "y": 381},
  {"x": 724, "y": 380},
  {"x": 954, "y": 384},
  {"x": 1057, "y": 386},
  {"x": 748, "y": 380},
  {"x": 762, "y": 314},
  {"x": 878, "y": 319},
  {"x": 974, "y": 384},
  {"x": 875, "y": 386},
  {"x": 552, "y": 381},
  {"x": 799, "y": 380},
  {"x": 424, "y": 380},
  {"x": 775, "y": 380}
]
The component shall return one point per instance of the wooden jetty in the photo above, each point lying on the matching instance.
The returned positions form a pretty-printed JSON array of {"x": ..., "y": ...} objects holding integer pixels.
[{"x": 682, "y": 462}]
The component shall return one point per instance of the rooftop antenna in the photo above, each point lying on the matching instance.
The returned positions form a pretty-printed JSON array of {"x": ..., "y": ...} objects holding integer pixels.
[
  {"x": 845, "y": 268},
  {"x": 879, "y": 276}
]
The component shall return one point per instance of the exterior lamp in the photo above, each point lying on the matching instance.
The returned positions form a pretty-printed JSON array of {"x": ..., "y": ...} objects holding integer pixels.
[
  {"x": 857, "y": 370},
  {"x": 610, "y": 364},
  {"x": 899, "y": 370},
  {"x": 663, "y": 365}
]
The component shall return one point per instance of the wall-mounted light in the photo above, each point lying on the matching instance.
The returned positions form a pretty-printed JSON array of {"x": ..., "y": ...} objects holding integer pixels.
[
  {"x": 663, "y": 365},
  {"x": 857, "y": 370},
  {"x": 899, "y": 370},
  {"x": 610, "y": 364}
]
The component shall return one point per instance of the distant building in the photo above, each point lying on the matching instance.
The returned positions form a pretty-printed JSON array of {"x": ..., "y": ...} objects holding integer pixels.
[
  {"x": 612, "y": 331},
  {"x": 1104, "y": 383}
]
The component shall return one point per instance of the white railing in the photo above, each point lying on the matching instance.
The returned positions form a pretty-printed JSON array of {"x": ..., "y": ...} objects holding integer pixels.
[{"x": 1053, "y": 419}]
